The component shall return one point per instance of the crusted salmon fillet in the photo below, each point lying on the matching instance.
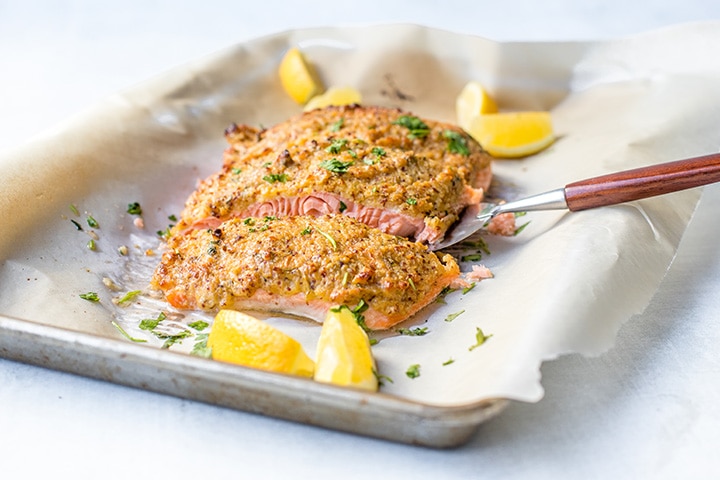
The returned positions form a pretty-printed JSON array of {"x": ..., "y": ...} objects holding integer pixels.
[
  {"x": 384, "y": 167},
  {"x": 302, "y": 265}
]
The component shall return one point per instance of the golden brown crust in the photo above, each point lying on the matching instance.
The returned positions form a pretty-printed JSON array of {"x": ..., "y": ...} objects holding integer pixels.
[
  {"x": 385, "y": 166},
  {"x": 319, "y": 261}
]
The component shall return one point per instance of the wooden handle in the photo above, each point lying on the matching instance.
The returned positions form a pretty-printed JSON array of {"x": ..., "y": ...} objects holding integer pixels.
[{"x": 643, "y": 182}]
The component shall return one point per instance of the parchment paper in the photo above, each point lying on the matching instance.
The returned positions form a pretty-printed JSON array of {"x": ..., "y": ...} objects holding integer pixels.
[{"x": 565, "y": 284}]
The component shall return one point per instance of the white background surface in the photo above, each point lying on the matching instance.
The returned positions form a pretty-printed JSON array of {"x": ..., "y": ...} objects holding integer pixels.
[{"x": 649, "y": 408}]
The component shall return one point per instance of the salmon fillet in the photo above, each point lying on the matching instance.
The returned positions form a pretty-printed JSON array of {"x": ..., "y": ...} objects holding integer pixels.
[
  {"x": 384, "y": 167},
  {"x": 302, "y": 265}
]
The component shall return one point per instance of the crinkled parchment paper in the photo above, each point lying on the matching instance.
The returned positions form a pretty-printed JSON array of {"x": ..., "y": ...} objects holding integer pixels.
[{"x": 565, "y": 284}]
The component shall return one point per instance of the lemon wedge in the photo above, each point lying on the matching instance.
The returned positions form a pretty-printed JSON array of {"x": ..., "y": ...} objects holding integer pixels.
[
  {"x": 239, "y": 338},
  {"x": 473, "y": 100},
  {"x": 334, "y": 96},
  {"x": 343, "y": 352},
  {"x": 513, "y": 134},
  {"x": 298, "y": 77}
]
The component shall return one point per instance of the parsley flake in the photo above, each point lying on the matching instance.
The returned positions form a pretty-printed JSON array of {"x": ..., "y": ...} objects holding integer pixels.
[
  {"x": 199, "y": 325},
  {"x": 457, "y": 143},
  {"x": 418, "y": 128},
  {"x": 480, "y": 338},
  {"x": 336, "y": 146},
  {"x": 90, "y": 297},
  {"x": 335, "y": 127},
  {"x": 467, "y": 289},
  {"x": 74, "y": 209},
  {"x": 276, "y": 177},
  {"x": 336, "y": 166},
  {"x": 329, "y": 239},
  {"x": 200, "y": 348},
  {"x": 128, "y": 297},
  {"x": 453, "y": 316},
  {"x": 411, "y": 201},
  {"x": 92, "y": 223},
  {"x": 413, "y": 332},
  {"x": 306, "y": 231},
  {"x": 125, "y": 334},
  {"x": 134, "y": 208},
  {"x": 378, "y": 151},
  {"x": 413, "y": 371},
  {"x": 342, "y": 207},
  {"x": 448, "y": 362}
]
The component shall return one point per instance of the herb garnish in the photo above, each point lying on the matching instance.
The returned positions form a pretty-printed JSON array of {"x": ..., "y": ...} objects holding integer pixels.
[
  {"x": 134, "y": 208},
  {"x": 306, "y": 231},
  {"x": 413, "y": 332},
  {"x": 342, "y": 207},
  {"x": 90, "y": 297},
  {"x": 172, "y": 218},
  {"x": 236, "y": 171},
  {"x": 329, "y": 238},
  {"x": 448, "y": 362},
  {"x": 457, "y": 143},
  {"x": 378, "y": 151},
  {"x": 128, "y": 297},
  {"x": 474, "y": 257},
  {"x": 92, "y": 223},
  {"x": 74, "y": 209},
  {"x": 77, "y": 225},
  {"x": 200, "y": 348},
  {"x": 443, "y": 293},
  {"x": 127, "y": 335},
  {"x": 152, "y": 323},
  {"x": 380, "y": 378},
  {"x": 411, "y": 201},
  {"x": 199, "y": 325},
  {"x": 164, "y": 233},
  {"x": 336, "y": 146},
  {"x": 480, "y": 338},
  {"x": 453, "y": 316},
  {"x": 276, "y": 177},
  {"x": 467, "y": 289},
  {"x": 337, "y": 125},
  {"x": 418, "y": 128},
  {"x": 91, "y": 245},
  {"x": 336, "y": 166},
  {"x": 413, "y": 371}
]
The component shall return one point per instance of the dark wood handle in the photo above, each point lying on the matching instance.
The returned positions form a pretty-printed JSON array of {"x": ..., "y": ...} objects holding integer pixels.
[{"x": 643, "y": 182}]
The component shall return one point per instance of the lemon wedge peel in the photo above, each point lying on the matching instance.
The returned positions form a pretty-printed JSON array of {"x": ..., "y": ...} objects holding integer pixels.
[
  {"x": 335, "y": 96},
  {"x": 298, "y": 77},
  {"x": 513, "y": 134},
  {"x": 245, "y": 340},
  {"x": 344, "y": 355},
  {"x": 473, "y": 100}
]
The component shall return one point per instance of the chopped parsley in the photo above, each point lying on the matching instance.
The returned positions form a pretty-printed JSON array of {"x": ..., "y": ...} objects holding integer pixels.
[
  {"x": 520, "y": 228},
  {"x": 336, "y": 166},
  {"x": 381, "y": 378},
  {"x": 418, "y": 128},
  {"x": 236, "y": 171},
  {"x": 378, "y": 151},
  {"x": 92, "y": 223},
  {"x": 74, "y": 209},
  {"x": 306, "y": 231},
  {"x": 467, "y": 289},
  {"x": 329, "y": 238},
  {"x": 125, "y": 334},
  {"x": 164, "y": 233},
  {"x": 128, "y": 297},
  {"x": 457, "y": 143},
  {"x": 342, "y": 207},
  {"x": 336, "y": 146},
  {"x": 448, "y": 362},
  {"x": 335, "y": 127},
  {"x": 199, "y": 325},
  {"x": 134, "y": 208},
  {"x": 453, "y": 316},
  {"x": 91, "y": 245},
  {"x": 276, "y": 177},
  {"x": 413, "y": 332},
  {"x": 200, "y": 348},
  {"x": 90, "y": 297},
  {"x": 152, "y": 323},
  {"x": 411, "y": 201},
  {"x": 480, "y": 338},
  {"x": 172, "y": 218},
  {"x": 475, "y": 257},
  {"x": 77, "y": 225},
  {"x": 413, "y": 371},
  {"x": 443, "y": 293},
  {"x": 172, "y": 339}
]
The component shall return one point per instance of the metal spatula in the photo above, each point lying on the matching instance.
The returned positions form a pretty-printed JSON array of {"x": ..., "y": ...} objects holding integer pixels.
[{"x": 601, "y": 191}]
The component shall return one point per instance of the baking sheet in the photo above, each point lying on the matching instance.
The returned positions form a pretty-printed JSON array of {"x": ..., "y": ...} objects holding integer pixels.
[{"x": 565, "y": 284}]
